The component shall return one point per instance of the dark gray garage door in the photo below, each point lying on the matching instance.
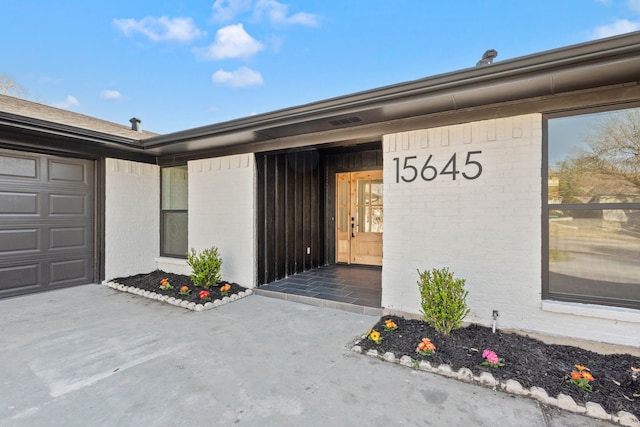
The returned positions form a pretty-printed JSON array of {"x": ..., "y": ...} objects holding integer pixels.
[{"x": 46, "y": 222}]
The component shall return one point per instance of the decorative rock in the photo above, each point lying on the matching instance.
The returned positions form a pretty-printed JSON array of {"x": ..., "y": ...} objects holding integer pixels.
[
  {"x": 225, "y": 300},
  {"x": 514, "y": 387},
  {"x": 233, "y": 297},
  {"x": 465, "y": 374},
  {"x": 356, "y": 348},
  {"x": 540, "y": 394},
  {"x": 389, "y": 357},
  {"x": 425, "y": 366},
  {"x": 199, "y": 307},
  {"x": 208, "y": 305},
  {"x": 487, "y": 379},
  {"x": 628, "y": 419},
  {"x": 191, "y": 306},
  {"x": 446, "y": 370},
  {"x": 373, "y": 353},
  {"x": 170, "y": 300},
  {"x": 121, "y": 287},
  {"x": 217, "y": 303},
  {"x": 594, "y": 410},
  {"x": 242, "y": 294},
  {"x": 567, "y": 403},
  {"x": 407, "y": 361},
  {"x": 249, "y": 291},
  {"x": 184, "y": 303}
]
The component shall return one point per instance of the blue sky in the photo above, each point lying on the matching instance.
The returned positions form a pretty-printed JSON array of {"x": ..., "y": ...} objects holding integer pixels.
[{"x": 182, "y": 64}]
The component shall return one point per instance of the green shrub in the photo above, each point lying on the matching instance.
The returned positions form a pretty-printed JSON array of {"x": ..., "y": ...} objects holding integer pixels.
[
  {"x": 205, "y": 267},
  {"x": 443, "y": 299}
]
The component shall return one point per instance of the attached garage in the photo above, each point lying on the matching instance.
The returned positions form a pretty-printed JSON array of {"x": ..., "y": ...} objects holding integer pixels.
[{"x": 46, "y": 222}]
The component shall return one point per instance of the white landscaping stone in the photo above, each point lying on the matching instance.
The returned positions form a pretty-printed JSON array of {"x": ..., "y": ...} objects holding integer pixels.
[
  {"x": 406, "y": 361},
  {"x": 487, "y": 379},
  {"x": 389, "y": 357},
  {"x": 425, "y": 366},
  {"x": 628, "y": 419},
  {"x": 170, "y": 300},
  {"x": 567, "y": 403},
  {"x": 225, "y": 300},
  {"x": 465, "y": 374},
  {"x": 191, "y": 306},
  {"x": 356, "y": 348},
  {"x": 242, "y": 294},
  {"x": 539, "y": 394},
  {"x": 208, "y": 305},
  {"x": 233, "y": 297},
  {"x": 217, "y": 303},
  {"x": 514, "y": 387},
  {"x": 594, "y": 410},
  {"x": 249, "y": 291},
  {"x": 184, "y": 303},
  {"x": 372, "y": 352},
  {"x": 199, "y": 307},
  {"x": 446, "y": 370}
]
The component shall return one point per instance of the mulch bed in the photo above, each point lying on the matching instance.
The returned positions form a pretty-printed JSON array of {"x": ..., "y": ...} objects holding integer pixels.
[
  {"x": 529, "y": 361},
  {"x": 151, "y": 282}
]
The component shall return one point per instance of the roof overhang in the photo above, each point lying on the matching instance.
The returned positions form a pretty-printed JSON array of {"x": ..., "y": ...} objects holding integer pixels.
[{"x": 362, "y": 116}]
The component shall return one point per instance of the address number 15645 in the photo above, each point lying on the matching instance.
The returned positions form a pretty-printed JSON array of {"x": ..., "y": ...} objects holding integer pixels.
[{"x": 409, "y": 171}]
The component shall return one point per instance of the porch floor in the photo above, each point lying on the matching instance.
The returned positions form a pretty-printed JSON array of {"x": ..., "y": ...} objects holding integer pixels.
[{"x": 347, "y": 287}]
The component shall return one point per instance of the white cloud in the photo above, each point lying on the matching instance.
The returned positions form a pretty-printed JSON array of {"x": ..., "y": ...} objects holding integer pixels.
[
  {"x": 71, "y": 101},
  {"x": 110, "y": 94},
  {"x": 226, "y": 10},
  {"x": 634, "y": 5},
  {"x": 161, "y": 29},
  {"x": 620, "y": 26},
  {"x": 231, "y": 41},
  {"x": 242, "y": 77},
  {"x": 277, "y": 13}
]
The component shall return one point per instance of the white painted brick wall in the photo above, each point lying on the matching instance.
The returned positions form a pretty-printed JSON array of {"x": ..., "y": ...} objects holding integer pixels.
[
  {"x": 132, "y": 218},
  {"x": 221, "y": 213},
  {"x": 486, "y": 230}
]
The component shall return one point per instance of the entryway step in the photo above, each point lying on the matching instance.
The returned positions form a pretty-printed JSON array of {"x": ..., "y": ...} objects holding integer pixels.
[{"x": 352, "y": 308}]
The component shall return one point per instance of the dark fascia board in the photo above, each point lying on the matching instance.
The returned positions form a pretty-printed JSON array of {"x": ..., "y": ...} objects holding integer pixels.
[
  {"x": 31, "y": 125},
  {"x": 597, "y": 63}
]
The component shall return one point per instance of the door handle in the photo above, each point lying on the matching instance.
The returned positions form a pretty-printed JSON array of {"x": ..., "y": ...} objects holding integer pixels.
[{"x": 352, "y": 227}]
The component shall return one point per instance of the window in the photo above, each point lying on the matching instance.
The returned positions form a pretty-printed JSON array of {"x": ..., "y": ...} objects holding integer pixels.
[
  {"x": 173, "y": 212},
  {"x": 592, "y": 208}
]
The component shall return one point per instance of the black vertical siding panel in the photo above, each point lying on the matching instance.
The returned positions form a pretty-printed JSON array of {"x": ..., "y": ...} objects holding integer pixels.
[
  {"x": 280, "y": 216},
  {"x": 270, "y": 243},
  {"x": 299, "y": 255},
  {"x": 260, "y": 219}
]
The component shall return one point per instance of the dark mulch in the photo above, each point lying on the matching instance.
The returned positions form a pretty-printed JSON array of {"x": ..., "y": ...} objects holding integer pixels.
[
  {"x": 151, "y": 282},
  {"x": 527, "y": 360}
]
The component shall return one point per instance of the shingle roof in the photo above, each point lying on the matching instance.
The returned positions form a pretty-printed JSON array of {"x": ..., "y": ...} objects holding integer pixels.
[{"x": 34, "y": 110}]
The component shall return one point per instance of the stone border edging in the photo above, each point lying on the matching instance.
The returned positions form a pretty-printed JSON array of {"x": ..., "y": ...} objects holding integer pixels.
[
  {"x": 177, "y": 301},
  {"x": 591, "y": 409}
]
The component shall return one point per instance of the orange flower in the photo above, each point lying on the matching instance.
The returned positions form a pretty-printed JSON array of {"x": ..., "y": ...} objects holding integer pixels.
[
  {"x": 576, "y": 375},
  {"x": 225, "y": 288},
  {"x": 184, "y": 288},
  {"x": 389, "y": 325},
  {"x": 587, "y": 376},
  {"x": 581, "y": 368}
]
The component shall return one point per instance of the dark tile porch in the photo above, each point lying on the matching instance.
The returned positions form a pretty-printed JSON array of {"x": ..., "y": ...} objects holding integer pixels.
[{"x": 345, "y": 287}]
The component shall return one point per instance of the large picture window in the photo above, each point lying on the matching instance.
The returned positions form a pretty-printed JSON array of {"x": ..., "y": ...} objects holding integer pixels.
[
  {"x": 173, "y": 212},
  {"x": 592, "y": 208}
]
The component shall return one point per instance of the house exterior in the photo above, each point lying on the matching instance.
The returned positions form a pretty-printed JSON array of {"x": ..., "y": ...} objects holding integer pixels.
[{"x": 515, "y": 175}]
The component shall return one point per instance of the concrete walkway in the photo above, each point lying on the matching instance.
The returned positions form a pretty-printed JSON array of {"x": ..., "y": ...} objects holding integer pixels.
[{"x": 93, "y": 356}]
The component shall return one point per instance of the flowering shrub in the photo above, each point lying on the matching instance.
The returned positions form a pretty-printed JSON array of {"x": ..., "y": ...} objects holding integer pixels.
[
  {"x": 184, "y": 290},
  {"x": 491, "y": 359},
  {"x": 389, "y": 325},
  {"x": 204, "y": 296},
  {"x": 582, "y": 377},
  {"x": 374, "y": 336},
  {"x": 426, "y": 347},
  {"x": 224, "y": 290},
  {"x": 165, "y": 285}
]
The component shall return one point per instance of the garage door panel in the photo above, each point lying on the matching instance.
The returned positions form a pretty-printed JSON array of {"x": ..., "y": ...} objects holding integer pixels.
[
  {"x": 19, "y": 240},
  {"x": 67, "y": 204},
  {"x": 68, "y": 237},
  {"x": 18, "y": 203},
  {"x": 67, "y": 172},
  {"x": 18, "y": 166},
  {"x": 19, "y": 276},
  {"x": 68, "y": 270}
]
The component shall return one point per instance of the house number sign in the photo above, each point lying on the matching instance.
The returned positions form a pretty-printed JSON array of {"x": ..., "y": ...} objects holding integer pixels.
[{"x": 410, "y": 168}]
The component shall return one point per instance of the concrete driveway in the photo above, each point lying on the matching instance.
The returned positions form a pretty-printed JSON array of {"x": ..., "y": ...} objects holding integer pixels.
[{"x": 93, "y": 356}]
